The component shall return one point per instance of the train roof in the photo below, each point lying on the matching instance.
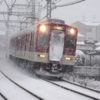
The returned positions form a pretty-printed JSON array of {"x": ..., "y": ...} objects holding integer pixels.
[
  {"x": 58, "y": 21},
  {"x": 23, "y": 31},
  {"x": 46, "y": 21}
]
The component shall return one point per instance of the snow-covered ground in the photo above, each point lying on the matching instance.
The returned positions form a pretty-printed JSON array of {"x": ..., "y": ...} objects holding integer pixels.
[
  {"x": 12, "y": 92},
  {"x": 86, "y": 82},
  {"x": 39, "y": 87},
  {"x": 35, "y": 85},
  {"x": 79, "y": 89},
  {"x": 1, "y": 98}
]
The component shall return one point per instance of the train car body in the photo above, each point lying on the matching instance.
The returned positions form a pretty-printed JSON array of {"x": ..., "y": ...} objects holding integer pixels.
[{"x": 51, "y": 44}]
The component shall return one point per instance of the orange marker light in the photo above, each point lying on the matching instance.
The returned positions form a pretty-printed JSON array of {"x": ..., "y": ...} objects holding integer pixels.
[
  {"x": 67, "y": 58},
  {"x": 42, "y": 56}
]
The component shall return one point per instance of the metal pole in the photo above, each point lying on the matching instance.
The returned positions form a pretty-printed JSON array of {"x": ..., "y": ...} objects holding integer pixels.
[
  {"x": 49, "y": 9},
  {"x": 33, "y": 12},
  {"x": 7, "y": 25}
]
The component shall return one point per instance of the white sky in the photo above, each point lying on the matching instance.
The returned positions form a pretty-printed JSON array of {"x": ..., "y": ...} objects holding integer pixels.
[{"x": 87, "y": 10}]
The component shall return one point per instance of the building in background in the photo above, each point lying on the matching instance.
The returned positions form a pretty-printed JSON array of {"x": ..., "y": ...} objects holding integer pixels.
[
  {"x": 80, "y": 37},
  {"x": 90, "y": 30}
]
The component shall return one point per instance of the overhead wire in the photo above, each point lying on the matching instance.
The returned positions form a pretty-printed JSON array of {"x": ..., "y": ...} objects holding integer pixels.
[
  {"x": 43, "y": 18},
  {"x": 39, "y": 1},
  {"x": 56, "y": 1},
  {"x": 70, "y": 3},
  {"x": 43, "y": 8}
]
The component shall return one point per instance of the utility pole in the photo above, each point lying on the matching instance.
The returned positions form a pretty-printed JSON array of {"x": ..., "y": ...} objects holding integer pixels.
[
  {"x": 49, "y": 4},
  {"x": 7, "y": 24},
  {"x": 33, "y": 11},
  {"x": 35, "y": 14},
  {"x": 49, "y": 9}
]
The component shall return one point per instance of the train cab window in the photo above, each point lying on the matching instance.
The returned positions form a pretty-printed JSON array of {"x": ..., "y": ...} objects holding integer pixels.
[
  {"x": 43, "y": 37},
  {"x": 69, "y": 41}
]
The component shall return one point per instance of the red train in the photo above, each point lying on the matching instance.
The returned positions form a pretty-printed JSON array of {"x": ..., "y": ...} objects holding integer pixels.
[{"x": 48, "y": 47}]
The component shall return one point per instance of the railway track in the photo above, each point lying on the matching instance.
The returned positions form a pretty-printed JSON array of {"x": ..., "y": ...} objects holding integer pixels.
[
  {"x": 3, "y": 96},
  {"x": 63, "y": 87},
  {"x": 36, "y": 96},
  {"x": 80, "y": 86},
  {"x": 75, "y": 91}
]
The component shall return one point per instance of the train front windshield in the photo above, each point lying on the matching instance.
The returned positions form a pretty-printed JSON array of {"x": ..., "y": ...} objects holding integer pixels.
[
  {"x": 69, "y": 40},
  {"x": 44, "y": 33},
  {"x": 43, "y": 36}
]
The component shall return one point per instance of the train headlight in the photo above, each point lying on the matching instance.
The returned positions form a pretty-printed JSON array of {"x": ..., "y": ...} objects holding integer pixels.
[
  {"x": 42, "y": 56},
  {"x": 72, "y": 31},
  {"x": 43, "y": 28},
  {"x": 68, "y": 58}
]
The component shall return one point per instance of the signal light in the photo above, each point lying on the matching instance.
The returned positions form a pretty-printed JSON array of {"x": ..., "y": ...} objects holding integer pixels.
[{"x": 43, "y": 28}]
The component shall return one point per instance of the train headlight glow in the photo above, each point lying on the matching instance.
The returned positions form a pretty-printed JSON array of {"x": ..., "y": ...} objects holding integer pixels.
[
  {"x": 42, "y": 56},
  {"x": 68, "y": 58},
  {"x": 43, "y": 28},
  {"x": 72, "y": 31}
]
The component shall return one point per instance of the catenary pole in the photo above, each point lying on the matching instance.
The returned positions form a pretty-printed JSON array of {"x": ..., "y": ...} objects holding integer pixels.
[{"x": 7, "y": 24}]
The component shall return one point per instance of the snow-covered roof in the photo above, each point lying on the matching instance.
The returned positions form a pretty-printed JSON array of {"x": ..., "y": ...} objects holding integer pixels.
[
  {"x": 80, "y": 42},
  {"x": 90, "y": 23},
  {"x": 98, "y": 48},
  {"x": 80, "y": 35},
  {"x": 80, "y": 53},
  {"x": 97, "y": 43}
]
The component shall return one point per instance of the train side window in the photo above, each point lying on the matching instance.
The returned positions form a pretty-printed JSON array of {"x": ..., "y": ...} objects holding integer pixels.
[
  {"x": 32, "y": 40},
  {"x": 43, "y": 37},
  {"x": 28, "y": 41},
  {"x": 22, "y": 43}
]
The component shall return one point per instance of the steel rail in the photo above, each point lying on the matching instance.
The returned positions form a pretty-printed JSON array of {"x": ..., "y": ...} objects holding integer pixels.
[
  {"x": 22, "y": 87},
  {"x": 91, "y": 97},
  {"x": 3, "y": 96},
  {"x": 80, "y": 86}
]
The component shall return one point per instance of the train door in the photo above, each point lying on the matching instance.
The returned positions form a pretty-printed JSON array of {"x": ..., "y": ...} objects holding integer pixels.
[{"x": 56, "y": 45}]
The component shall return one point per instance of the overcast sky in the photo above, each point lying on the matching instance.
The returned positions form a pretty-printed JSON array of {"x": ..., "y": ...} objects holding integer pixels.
[{"x": 88, "y": 10}]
